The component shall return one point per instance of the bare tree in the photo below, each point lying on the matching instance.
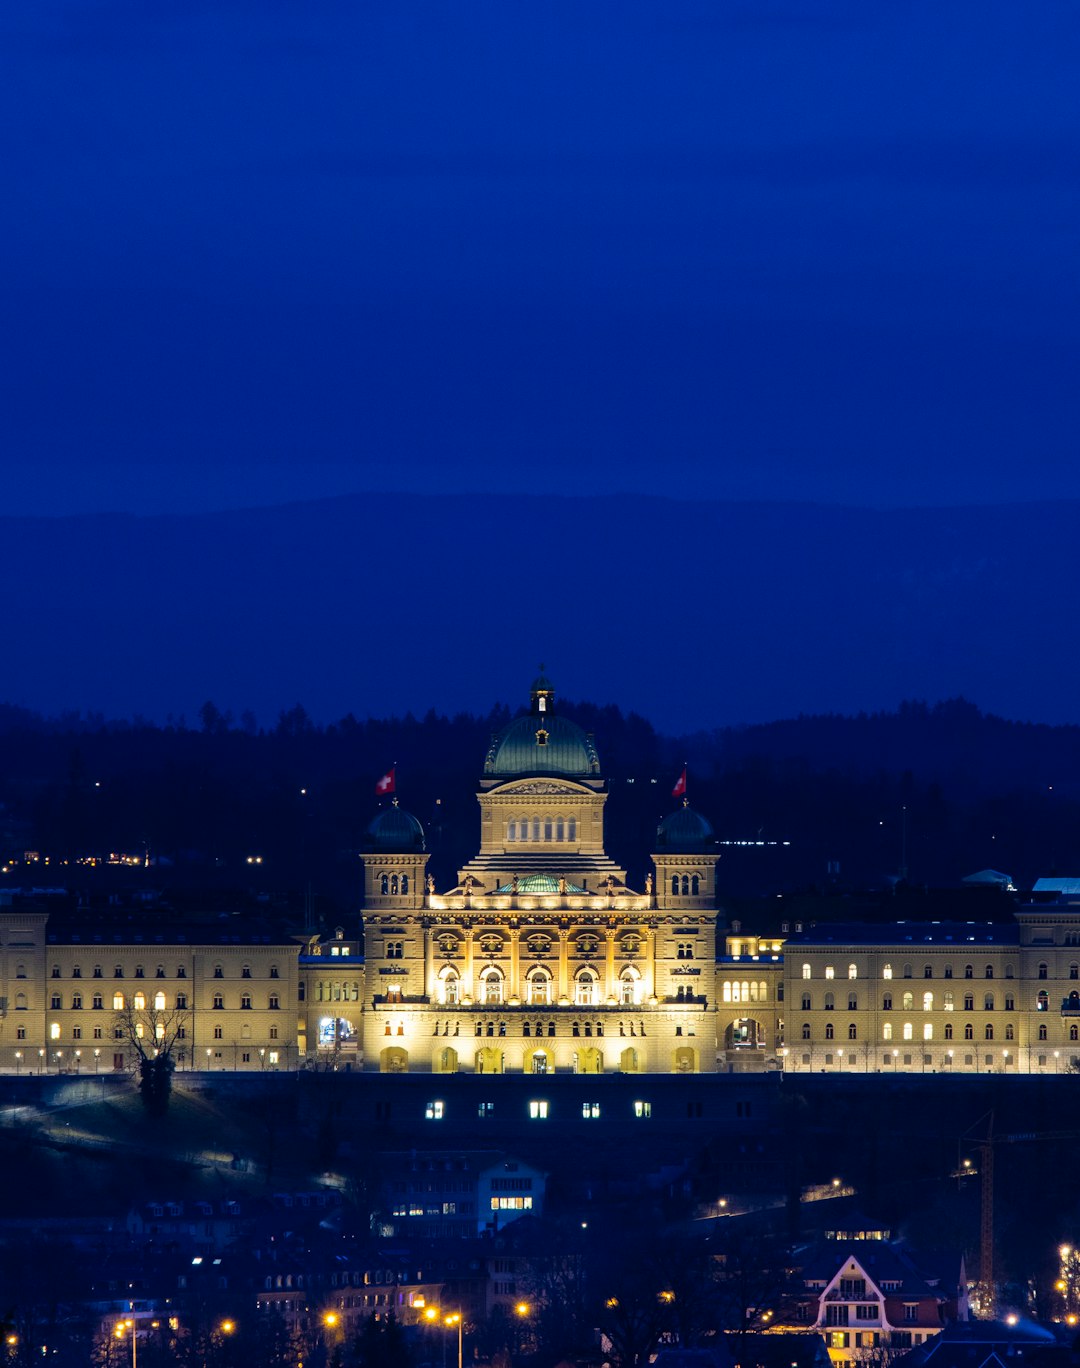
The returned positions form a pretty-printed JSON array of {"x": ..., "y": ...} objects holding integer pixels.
[{"x": 152, "y": 1033}]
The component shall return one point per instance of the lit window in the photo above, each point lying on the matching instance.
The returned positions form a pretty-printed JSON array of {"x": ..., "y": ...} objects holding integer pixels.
[
  {"x": 434, "y": 1111},
  {"x": 118, "y": 1002},
  {"x": 643, "y": 1109},
  {"x": 806, "y": 971},
  {"x": 590, "y": 1110},
  {"x": 54, "y": 1031},
  {"x": 538, "y": 1111}
]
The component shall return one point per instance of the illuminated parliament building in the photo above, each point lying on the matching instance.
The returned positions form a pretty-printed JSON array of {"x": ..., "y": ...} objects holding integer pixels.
[{"x": 543, "y": 959}]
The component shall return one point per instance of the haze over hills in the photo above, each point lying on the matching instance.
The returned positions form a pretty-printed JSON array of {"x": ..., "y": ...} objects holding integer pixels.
[{"x": 695, "y": 614}]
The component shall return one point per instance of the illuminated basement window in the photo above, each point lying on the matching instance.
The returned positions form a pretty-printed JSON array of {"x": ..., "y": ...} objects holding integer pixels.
[
  {"x": 538, "y": 1111},
  {"x": 643, "y": 1109},
  {"x": 434, "y": 1111},
  {"x": 590, "y": 1110}
]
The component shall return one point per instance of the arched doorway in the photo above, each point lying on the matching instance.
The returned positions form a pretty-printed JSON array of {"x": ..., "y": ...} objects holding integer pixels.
[
  {"x": 588, "y": 1061},
  {"x": 489, "y": 1060},
  {"x": 628, "y": 1060},
  {"x": 446, "y": 1060},
  {"x": 746, "y": 1033},
  {"x": 685, "y": 1060},
  {"x": 394, "y": 1060},
  {"x": 539, "y": 1062}
]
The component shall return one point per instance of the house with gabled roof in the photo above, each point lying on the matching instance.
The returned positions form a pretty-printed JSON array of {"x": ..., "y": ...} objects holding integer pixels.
[{"x": 868, "y": 1295}]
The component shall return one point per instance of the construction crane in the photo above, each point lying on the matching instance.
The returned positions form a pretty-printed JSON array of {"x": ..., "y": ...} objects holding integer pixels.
[{"x": 981, "y": 1134}]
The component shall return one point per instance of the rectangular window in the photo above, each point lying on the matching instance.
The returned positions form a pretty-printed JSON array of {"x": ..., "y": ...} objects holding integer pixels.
[
  {"x": 590, "y": 1110},
  {"x": 538, "y": 1111},
  {"x": 866, "y": 1313},
  {"x": 273, "y": 1056},
  {"x": 434, "y": 1111},
  {"x": 643, "y": 1109},
  {"x": 485, "y": 1109},
  {"x": 76, "y": 1033},
  {"x": 245, "y": 1057},
  {"x": 911, "y": 1311},
  {"x": 97, "y": 1033},
  {"x": 219, "y": 1034}
]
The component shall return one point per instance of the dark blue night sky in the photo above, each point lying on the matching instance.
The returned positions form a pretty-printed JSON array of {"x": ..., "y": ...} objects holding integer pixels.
[{"x": 257, "y": 252}]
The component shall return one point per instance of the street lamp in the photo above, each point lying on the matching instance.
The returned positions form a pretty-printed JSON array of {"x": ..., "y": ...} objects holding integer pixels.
[
  {"x": 129, "y": 1324},
  {"x": 456, "y": 1319},
  {"x": 18, "y": 1062}
]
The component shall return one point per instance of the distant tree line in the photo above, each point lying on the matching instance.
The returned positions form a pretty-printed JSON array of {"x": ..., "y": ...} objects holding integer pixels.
[{"x": 935, "y": 792}]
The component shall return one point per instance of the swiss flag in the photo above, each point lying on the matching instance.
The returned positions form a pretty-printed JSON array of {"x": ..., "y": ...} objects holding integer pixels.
[
  {"x": 680, "y": 785},
  {"x": 386, "y": 783}
]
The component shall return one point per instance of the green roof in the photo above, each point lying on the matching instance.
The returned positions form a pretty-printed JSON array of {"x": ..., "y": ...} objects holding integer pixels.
[
  {"x": 540, "y": 883},
  {"x": 684, "y": 831},
  {"x": 542, "y": 744},
  {"x": 394, "y": 829}
]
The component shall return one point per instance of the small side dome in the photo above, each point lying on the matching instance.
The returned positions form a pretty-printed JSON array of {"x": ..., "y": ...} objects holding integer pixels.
[
  {"x": 396, "y": 830},
  {"x": 685, "y": 831}
]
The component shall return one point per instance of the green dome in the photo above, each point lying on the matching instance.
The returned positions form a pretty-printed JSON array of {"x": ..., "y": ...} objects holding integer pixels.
[
  {"x": 684, "y": 831},
  {"x": 541, "y": 743},
  {"x": 394, "y": 829},
  {"x": 540, "y": 883}
]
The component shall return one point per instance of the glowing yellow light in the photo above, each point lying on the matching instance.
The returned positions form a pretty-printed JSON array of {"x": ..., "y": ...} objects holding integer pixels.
[
  {"x": 612, "y": 1302},
  {"x": 432, "y": 1313},
  {"x": 227, "y": 1327},
  {"x": 330, "y": 1318},
  {"x": 1012, "y": 1318},
  {"x": 1065, "y": 1251},
  {"x": 667, "y": 1296}
]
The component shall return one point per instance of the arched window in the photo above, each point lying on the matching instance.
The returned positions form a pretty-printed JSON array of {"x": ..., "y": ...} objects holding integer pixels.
[
  {"x": 118, "y": 971},
  {"x": 539, "y": 987},
  {"x": 852, "y": 1002},
  {"x": 1009, "y": 1033},
  {"x": 695, "y": 885},
  {"x": 852, "y": 971},
  {"x": 98, "y": 1002},
  {"x": 969, "y": 1002},
  {"x": 989, "y": 1032},
  {"x": 948, "y": 971},
  {"x": 907, "y": 1030},
  {"x": 989, "y": 971},
  {"x": 928, "y": 1030},
  {"x": 675, "y": 885},
  {"x": 118, "y": 1002},
  {"x": 1042, "y": 1001},
  {"x": 1074, "y": 971},
  {"x": 1043, "y": 971},
  {"x": 828, "y": 1030},
  {"x": 886, "y": 1031},
  {"x": 245, "y": 1002},
  {"x": 404, "y": 884},
  {"x": 886, "y": 1002},
  {"x": 948, "y": 1030},
  {"x": 852, "y": 1032},
  {"x": 806, "y": 971},
  {"x": 907, "y": 970},
  {"x": 1074, "y": 1032},
  {"x": 159, "y": 1002},
  {"x": 219, "y": 1002},
  {"x": 491, "y": 985},
  {"x": 628, "y": 987},
  {"x": 560, "y": 830},
  {"x": 947, "y": 1000},
  {"x": 571, "y": 829},
  {"x": 829, "y": 1002},
  {"x": 450, "y": 987},
  {"x": 806, "y": 1002},
  {"x": 20, "y": 1002},
  {"x": 928, "y": 1002},
  {"x": 586, "y": 988},
  {"x": 969, "y": 971},
  {"x": 1042, "y": 1030},
  {"x": 273, "y": 1002},
  {"x": 685, "y": 886},
  {"x": 969, "y": 1031},
  {"x": 139, "y": 1002},
  {"x": 908, "y": 1002},
  {"x": 988, "y": 1002},
  {"x": 384, "y": 885},
  {"x": 886, "y": 972},
  {"x": 393, "y": 885},
  {"x": 806, "y": 1030},
  {"x": 830, "y": 972}
]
